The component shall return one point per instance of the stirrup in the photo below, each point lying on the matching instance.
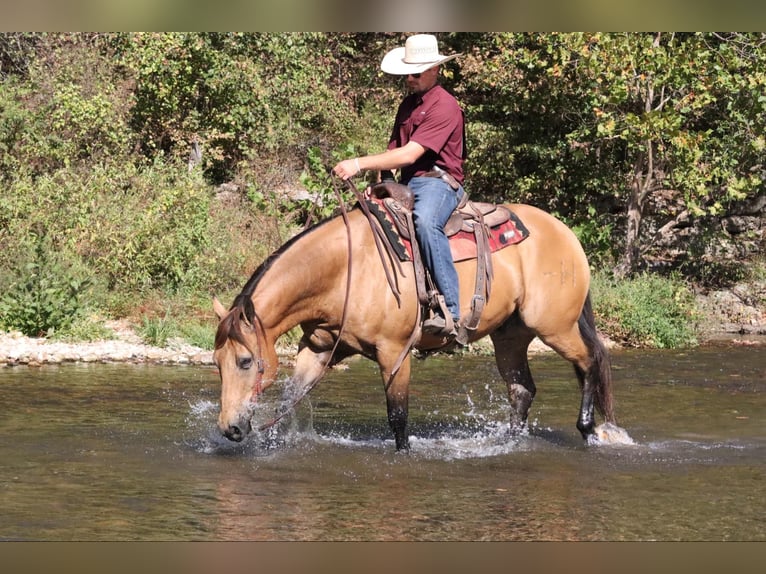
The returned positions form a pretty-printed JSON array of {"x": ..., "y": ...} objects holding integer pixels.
[{"x": 440, "y": 326}]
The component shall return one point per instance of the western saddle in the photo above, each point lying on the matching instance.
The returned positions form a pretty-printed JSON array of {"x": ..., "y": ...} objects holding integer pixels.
[{"x": 472, "y": 217}]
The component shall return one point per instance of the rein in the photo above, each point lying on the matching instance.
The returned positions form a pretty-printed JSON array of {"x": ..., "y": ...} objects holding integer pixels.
[
  {"x": 384, "y": 249},
  {"x": 326, "y": 365}
]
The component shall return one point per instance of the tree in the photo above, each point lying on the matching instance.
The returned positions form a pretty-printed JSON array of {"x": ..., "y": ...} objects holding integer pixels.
[
  {"x": 663, "y": 123},
  {"x": 241, "y": 94},
  {"x": 672, "y": 100}
]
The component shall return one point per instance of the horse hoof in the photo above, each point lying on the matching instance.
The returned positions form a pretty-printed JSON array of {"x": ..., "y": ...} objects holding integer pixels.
[
  {"x": 403, "y": 448},
  {"x": 609, "y": 433},
  {"x": 587, "y": 430}
]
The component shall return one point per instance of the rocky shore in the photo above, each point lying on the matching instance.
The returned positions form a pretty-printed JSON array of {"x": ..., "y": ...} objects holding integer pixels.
[
  {"x": 125, "y": 347},
  {"x": 727, "y": 315}
]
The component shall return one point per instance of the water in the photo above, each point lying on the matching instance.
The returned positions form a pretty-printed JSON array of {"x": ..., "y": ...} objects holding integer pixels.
[{"x": 126, "y": 452}]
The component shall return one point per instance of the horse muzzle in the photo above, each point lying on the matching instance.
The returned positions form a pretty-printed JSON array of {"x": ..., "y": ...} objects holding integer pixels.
[{"x": 237, "y": 432}]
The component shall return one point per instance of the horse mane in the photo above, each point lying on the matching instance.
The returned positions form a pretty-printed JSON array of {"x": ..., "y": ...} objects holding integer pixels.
[
  {"x": 242, "y": 309},
  {"x": 230, "y": 327}
]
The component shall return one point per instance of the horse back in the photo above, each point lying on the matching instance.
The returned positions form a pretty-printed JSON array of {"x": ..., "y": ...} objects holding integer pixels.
[{"x": 545, "y": 276}]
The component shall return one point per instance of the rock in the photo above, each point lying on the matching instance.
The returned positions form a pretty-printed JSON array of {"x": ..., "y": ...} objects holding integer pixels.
[{"x": 739, "y": 309}]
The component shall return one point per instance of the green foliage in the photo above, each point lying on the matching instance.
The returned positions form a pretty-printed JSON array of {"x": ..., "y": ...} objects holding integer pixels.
[
  {"x": 595, "y": 235},
  {"x": 322, "y": 187},
  {"x": 84, "y": 328},
  {"x": 134, "y": 232},
  {"x": 645, "y": 311},
  {"x": 71, "y": 109},
  {"x": 654, "y": 123},
  {"x": 44, "y": 295},
  {"x": 240, "y": 94},
  {"x": 156, "y": 331},
  {"x": 200, "y": 335},
  {"x": 13, "y": 117},
  {"x": 163, "y": 241}
]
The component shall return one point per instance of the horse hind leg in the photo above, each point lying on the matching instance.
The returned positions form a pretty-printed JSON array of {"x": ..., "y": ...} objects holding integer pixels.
[
  {"x": 597, "y": 376},
  {"x": 583, "y": 348},
  {"x": 513, "y": 364}
]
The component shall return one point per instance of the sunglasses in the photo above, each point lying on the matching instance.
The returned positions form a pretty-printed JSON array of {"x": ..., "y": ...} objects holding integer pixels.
[{"x": 416, "y": 76}]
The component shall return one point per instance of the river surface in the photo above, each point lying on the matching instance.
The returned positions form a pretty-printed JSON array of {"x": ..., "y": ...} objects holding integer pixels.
[{"x": 130, "y": 452}]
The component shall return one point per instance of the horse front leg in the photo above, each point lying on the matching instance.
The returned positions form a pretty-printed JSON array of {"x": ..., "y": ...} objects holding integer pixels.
[
  {"x": 310, "y": 365},
  {"x": 513, "y": 364},
  {"x": 397, "y": 399}
]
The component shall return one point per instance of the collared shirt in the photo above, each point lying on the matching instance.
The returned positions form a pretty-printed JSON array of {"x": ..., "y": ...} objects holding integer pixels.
[{"x": 435, "y": 121}]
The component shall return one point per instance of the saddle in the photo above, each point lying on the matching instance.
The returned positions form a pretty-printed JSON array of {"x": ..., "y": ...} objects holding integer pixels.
[
  {"x": 475, "y": 230},
  {"x": 399, "y": 201}
]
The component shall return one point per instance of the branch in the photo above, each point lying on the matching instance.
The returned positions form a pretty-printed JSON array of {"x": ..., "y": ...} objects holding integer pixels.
[{"x": 665, "y": 231}]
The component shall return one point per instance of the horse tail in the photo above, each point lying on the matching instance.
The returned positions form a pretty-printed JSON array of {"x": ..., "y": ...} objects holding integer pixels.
[{"x": 600, "y": 371}]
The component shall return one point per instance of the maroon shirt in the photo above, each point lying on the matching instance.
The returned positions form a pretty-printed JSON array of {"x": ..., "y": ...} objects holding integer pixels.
[{"x": 435, "y": 121}]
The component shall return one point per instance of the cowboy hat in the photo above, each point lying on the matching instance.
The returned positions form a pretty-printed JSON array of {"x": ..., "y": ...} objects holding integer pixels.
[{"x": 420, "y": 53}]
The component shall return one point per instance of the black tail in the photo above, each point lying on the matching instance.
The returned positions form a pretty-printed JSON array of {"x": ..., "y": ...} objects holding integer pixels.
[{"x": 601, "y": 370}]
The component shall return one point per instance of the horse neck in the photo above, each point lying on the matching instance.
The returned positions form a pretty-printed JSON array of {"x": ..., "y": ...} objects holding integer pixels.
[{"x": 307, "y": 281}]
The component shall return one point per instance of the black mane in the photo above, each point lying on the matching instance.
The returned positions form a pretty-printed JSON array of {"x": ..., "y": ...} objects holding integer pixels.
[{"x": 244, "y": 301}]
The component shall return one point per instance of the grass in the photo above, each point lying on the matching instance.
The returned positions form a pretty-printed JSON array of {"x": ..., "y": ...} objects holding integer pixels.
[
  {"x": 85, "y": 328},
  {"x": 156, "y": 331},
  {"x": 646, "y": 310}
]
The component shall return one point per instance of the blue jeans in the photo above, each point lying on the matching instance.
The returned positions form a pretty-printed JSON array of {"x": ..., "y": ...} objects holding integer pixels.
[{"x": 435, "y": 201}]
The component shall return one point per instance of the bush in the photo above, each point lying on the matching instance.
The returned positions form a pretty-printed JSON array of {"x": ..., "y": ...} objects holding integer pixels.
[
  {"x": 85, "y": 327},
  {"x": 43, "y": 295},
  {"x": 645, "y": 311},
  {"x": 199, "y": 335}
]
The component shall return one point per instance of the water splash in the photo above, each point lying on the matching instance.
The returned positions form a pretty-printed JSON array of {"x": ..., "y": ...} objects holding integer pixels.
[
  {"x": 610, "y": 434},
  {"x": 481, "y": 430},
  {"x": 493, "y": 439}
]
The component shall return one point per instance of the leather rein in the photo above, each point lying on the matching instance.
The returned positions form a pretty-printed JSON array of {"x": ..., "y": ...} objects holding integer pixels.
[{"x": 385, "y": 252}]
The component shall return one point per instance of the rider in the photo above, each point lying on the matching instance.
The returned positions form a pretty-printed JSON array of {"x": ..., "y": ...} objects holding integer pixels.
[{"x": 427, "y": 145}]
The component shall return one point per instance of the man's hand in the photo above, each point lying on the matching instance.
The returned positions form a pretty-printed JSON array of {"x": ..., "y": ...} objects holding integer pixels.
[{"x": 347, "y": 168}]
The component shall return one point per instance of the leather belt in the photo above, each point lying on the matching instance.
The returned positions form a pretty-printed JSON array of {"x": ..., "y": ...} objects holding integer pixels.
[{"x": 441, "y": 174}]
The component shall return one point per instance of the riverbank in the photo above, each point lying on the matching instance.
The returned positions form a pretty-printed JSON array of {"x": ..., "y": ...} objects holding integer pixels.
[
  {"x": 125, "y": 347},
  {"x": 736, "y": 314},
  {"x": 18, "y": 350}
]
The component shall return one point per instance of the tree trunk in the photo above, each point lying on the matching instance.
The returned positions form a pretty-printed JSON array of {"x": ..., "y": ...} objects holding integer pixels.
[
  {"x": 630, "y": 257},
  {"x": 640, "y": 188}
]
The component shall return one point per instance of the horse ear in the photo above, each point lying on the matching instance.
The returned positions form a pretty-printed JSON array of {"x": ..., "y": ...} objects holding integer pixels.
[{"x": 219, "y": 309}]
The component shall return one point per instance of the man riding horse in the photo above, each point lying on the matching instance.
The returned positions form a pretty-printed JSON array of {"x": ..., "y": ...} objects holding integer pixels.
[{"x": 427, "y": 146}]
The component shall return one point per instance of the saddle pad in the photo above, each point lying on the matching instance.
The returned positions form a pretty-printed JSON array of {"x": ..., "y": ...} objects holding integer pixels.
[{"x": 462, "y": 244}]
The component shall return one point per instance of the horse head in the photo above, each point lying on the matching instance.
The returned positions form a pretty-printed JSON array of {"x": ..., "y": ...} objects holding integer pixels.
[{"x": 239, "y": 355}]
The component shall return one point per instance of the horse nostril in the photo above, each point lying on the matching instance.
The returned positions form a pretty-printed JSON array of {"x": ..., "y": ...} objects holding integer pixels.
[{"x": 234, "y": 433}]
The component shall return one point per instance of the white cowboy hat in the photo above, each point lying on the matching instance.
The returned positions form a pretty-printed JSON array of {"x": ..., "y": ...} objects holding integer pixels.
[{"x": 420, "y": 53}]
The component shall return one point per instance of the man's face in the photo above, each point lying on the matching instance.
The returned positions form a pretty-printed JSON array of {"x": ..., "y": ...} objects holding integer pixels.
[{"x": 420, "y": 83}]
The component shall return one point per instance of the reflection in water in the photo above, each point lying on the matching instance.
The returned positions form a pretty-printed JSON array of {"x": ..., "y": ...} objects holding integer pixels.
[{"x": 121, "y": 452}]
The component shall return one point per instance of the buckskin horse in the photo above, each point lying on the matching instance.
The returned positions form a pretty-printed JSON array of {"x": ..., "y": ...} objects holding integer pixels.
[{"x": 332, "y": 282}]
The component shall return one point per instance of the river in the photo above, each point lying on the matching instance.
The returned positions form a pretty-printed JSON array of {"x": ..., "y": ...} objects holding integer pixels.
[{"x": 130, "y": 452}]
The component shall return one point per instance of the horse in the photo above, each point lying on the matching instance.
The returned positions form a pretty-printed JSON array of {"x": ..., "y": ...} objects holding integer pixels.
[{"x": 331, "y": 281}]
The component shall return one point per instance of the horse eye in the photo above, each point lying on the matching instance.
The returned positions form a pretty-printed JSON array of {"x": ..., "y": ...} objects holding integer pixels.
[{"x": 244, "y": 363}]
